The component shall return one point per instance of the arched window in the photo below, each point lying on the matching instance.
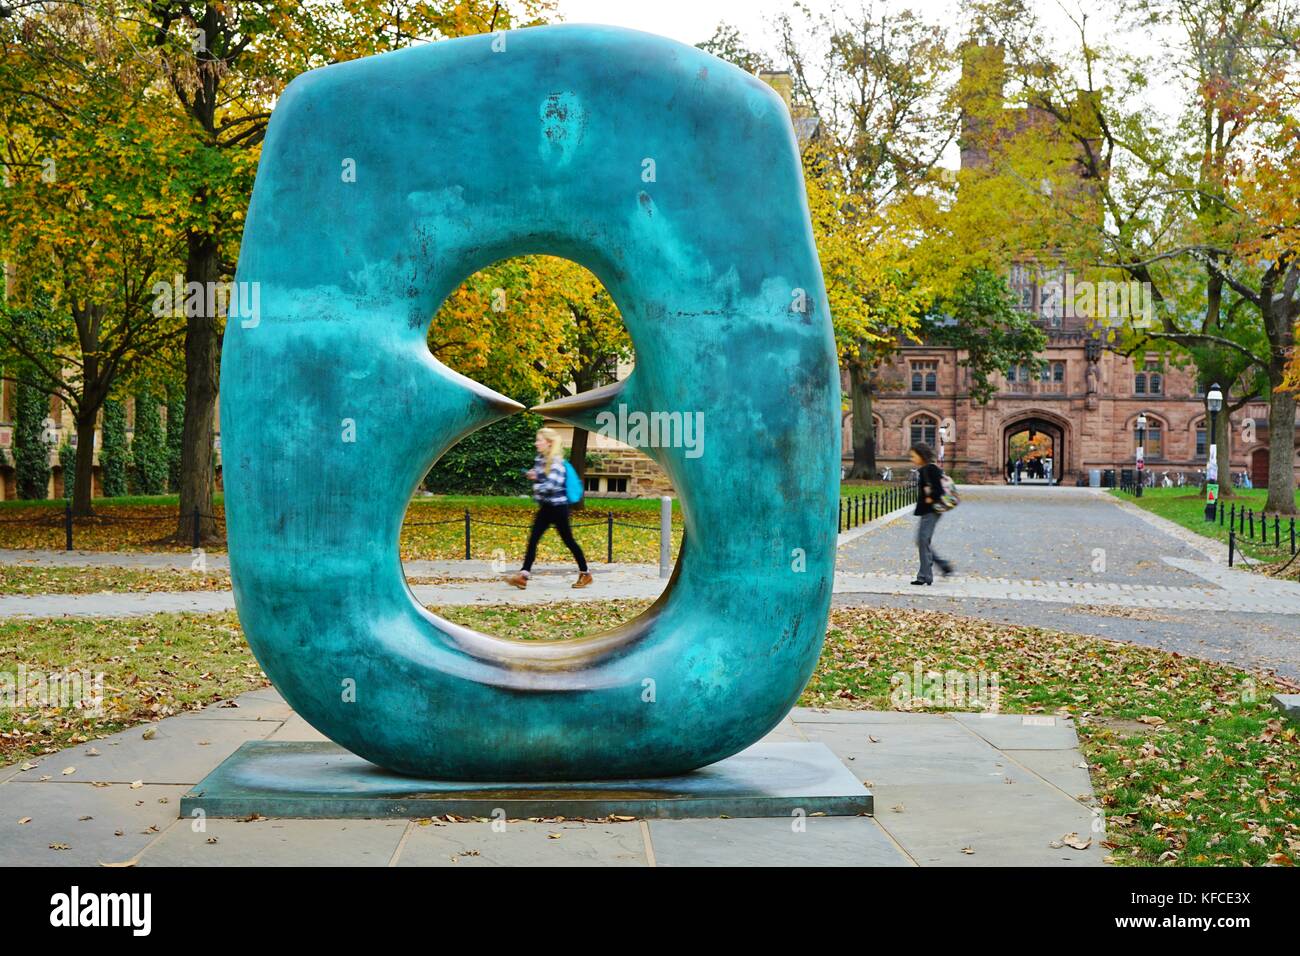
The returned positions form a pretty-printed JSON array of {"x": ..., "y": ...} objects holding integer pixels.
[
  {"x": 1058, "y": 371},
  {"x": 1201, "y": 452},
  {"x": 924, "y": 429}
]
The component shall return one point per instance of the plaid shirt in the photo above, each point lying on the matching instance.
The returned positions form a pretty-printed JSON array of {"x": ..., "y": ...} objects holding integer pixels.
[{"x": 550, "y": 489}]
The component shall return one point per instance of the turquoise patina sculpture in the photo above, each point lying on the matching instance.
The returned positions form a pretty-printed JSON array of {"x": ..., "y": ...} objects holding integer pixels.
[{"x": 384, "y": 183}]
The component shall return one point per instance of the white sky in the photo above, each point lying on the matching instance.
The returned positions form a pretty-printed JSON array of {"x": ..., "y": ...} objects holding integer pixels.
[{"x": 693, "y": 21}]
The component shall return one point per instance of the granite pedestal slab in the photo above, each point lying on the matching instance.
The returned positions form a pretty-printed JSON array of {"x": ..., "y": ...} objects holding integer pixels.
[{"x": 319, "y": 779}]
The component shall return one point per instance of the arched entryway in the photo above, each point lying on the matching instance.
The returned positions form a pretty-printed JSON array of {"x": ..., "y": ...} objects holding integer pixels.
[{"x": 1037, "y": 439}]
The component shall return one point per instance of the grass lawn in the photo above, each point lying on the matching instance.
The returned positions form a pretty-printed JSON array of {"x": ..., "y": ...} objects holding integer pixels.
[
  {"x": 1191, "y": 764},
  {"x": 1186, "y": 507},
  {"x": 434, "y": 527},
  {"x": 47, "y": 579}
]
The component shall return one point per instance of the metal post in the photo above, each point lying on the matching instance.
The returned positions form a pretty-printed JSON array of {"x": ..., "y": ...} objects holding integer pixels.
[
  {"x": 198, "y": 540},
  {"x": 466, "y": 534},
  {"x": 839, "y": 524},
  {"x": 609, "y": 536},
  {"x": 665, "y": 535},
  {"x": 1277, "y": 531},
  {"x": 1232, "y": 544},
  {"x": 67, "y": 524},
  {"x": 1220, "y": 512},
  {"x": 1293, "y": 536}
]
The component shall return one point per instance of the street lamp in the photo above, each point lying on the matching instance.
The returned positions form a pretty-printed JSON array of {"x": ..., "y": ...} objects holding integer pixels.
[
  {"x": 1214, "y": 402},
  {"x": 943, "y": 438},
  {"x": 1141, "y": 453}
]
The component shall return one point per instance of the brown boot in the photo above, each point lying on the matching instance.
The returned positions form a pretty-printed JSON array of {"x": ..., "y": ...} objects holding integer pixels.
[
  {"x": 584, "y": 578},
  {"x": 518, "y": 579}
]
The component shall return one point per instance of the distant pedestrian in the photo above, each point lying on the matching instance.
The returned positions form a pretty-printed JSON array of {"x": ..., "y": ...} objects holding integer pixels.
[
  {"x": 1047, "y": 470},
  {"x": 929, "y": 490},
  {"x": 1010, "y": 469},
  {"x": 549, "y": 476},
  {"x": 1020, "y": 465}
]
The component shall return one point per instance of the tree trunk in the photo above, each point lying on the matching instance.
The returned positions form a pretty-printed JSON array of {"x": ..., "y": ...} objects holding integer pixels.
[
  {"x": 202, "y": 354},
  {"x": 83, "y": 484},
  {"x": 1281, "y": 447},
  {"x": 863, "y": 428}
]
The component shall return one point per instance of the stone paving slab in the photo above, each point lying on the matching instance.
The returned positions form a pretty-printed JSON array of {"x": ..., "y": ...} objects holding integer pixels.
[
  {"x": 1003, "y": 824},
  {"x": 181, "y": 751},
  {"x": 808, "y": 841},
  {"x": 57, "y": 810},
  {"x": 276, "y": 843},
  {"x": 930, "y": 754},
  {"x": 525, "y": 843},
  {"x": 1289, "y": 704},
  {"x": 1064, "y": 769},
  {"x": 1021, "y": 731}
]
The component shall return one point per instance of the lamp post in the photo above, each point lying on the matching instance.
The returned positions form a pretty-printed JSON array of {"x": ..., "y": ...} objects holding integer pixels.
[
  {"x": 1141, "y": 454},
  {"x": 943, "y": 440},
  {"x": 1213, "y": 402}
]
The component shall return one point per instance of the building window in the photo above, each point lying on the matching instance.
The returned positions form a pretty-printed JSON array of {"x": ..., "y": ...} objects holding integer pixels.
[
  {"x": 1154, "y": 447},
  {"x": 1149, "y": 381},
  {"x": 925, "y": 377},
  {"x": 1051, "y": 298},
  {"x": 1058, "y": 371},
  {"x": 1200, "y": 441},
  {"x": 924, "y": 429},
  {"x": 1022, "y": 285},
  {"x": 606, "y": 484}
]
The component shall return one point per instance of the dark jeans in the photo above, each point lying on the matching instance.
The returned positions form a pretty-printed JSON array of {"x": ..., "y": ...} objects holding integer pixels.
[
  {"x": 546, "y": 516},
  {"x": 924, "y": 532}
]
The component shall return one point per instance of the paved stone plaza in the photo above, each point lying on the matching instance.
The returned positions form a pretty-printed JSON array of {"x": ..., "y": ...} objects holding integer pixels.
[{"x": 949, "y": 788}]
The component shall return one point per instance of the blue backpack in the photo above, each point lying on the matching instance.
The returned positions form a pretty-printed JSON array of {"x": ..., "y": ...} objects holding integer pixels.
[{"x": 572, "y": 484}]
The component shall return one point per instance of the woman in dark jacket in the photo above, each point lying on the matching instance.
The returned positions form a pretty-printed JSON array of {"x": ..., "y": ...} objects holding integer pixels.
[{"x": 929, "y": 482}]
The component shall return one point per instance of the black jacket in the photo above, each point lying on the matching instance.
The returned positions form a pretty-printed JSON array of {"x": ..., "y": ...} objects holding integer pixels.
[{"x": 930, "y": 482}]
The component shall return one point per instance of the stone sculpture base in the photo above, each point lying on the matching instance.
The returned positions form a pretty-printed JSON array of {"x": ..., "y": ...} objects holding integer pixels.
[{"x": 322, "y": 780}]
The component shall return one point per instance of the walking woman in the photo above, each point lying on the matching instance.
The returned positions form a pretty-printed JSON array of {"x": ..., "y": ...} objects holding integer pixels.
[
  {"x": 549, "y": 477},
  {"x": 929, "y": 488}
]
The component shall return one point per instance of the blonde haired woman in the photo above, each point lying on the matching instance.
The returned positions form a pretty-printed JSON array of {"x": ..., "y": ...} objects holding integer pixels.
[{"x": 549, "y": 478}]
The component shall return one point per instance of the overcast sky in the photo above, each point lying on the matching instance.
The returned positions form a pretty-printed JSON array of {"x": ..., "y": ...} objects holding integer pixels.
[{"x": 693, "y": 20}]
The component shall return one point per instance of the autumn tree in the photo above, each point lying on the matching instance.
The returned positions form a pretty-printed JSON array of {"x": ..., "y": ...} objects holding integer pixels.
[
  {"x": 83, "y": 219},
  {"x": 225, "y": 62},
  {"x": 877, "y": 84}
]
